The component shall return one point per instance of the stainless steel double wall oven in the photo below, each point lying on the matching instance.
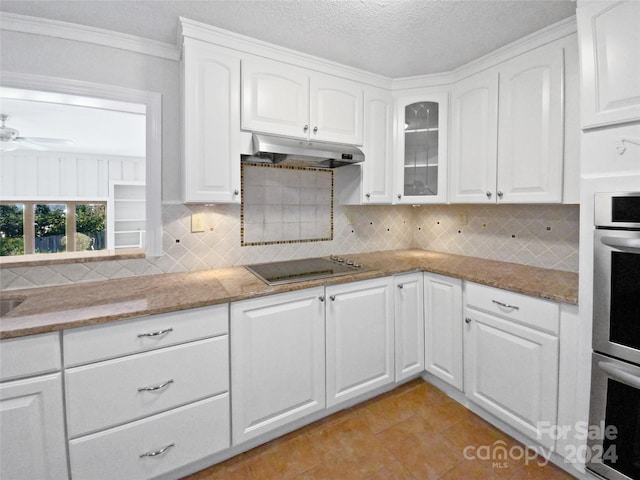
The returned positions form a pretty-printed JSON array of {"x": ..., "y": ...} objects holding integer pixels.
[{"x": 615, "y": 379}]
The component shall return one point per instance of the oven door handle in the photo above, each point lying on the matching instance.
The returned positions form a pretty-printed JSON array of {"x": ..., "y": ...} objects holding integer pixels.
[
  {"x": 619, "y": 374},
  {"x": 630, "y": 244}
]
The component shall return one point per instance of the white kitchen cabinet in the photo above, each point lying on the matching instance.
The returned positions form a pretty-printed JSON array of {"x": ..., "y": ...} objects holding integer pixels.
[
  {"x": 530, "y": 127},
  {"x": 409, "y": 325},
  {"x": 286, "y": 100},
  {"x": 443, "y": 328},
  {"x": 277, "y": 361},
  {"x": 32, "y": 438},
  {"x": 154, "y": 446},
  {"x": 511, "y": 358},
  {"x": 377, "y": 169},
  {"x": 163, "y": 390},
  {"x": 474, "y": 133},
  {"x": 609, "y": 45},
  {"x": 509, "y": 147},
  {"x": 211, "y": 122},
  {"x": 421, "y": 141},
  {"x": 360, "y": 338}
]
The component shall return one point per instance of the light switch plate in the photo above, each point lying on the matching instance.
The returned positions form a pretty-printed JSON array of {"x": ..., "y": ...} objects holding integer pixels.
[{"x": 197, "y": 222}]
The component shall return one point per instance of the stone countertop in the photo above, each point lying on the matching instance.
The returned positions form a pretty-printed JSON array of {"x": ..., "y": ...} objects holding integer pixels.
[{"x": 48, "y": 309}]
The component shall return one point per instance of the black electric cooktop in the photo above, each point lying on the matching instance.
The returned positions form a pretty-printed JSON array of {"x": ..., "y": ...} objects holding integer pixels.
[{"x": 276, "y": 273}]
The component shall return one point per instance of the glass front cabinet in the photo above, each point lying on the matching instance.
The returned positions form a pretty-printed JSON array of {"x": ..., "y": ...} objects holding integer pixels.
[{"x": 421, "y": 148}]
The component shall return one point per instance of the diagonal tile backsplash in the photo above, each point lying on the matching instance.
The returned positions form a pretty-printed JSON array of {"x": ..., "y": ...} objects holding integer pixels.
[{"x": 543, "y": 236}]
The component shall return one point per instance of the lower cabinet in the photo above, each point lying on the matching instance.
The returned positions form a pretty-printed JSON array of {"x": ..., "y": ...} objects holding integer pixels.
[
  {"x": 511, "y": 359},
  {"x": 277, "y": 361},
  {"x": 32, "y": 442},
  {"x": 360, "y": 338},
  {"x": 409, "y": 325},
  {"x": 160, "y": 400},
  {"x": 443, "y": 328}
]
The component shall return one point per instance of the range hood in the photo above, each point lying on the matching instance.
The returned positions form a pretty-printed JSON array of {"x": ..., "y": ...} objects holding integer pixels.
[{"x": 301, "y": 153}]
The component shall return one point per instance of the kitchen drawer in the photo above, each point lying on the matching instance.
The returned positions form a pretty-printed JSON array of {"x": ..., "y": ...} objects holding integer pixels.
[
  {"x": 26, "y": 356},
  {"x": 534, "y": 312},
  {"x": 105, "y": 394},
  {"x": 196, "y": 431},
  {"x": 101, "y": 342}
]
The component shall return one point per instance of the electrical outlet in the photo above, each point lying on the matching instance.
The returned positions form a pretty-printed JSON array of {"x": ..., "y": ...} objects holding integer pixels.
[
  {"x": 462, "y": 218},
  {"x": 197, "y": 222}
]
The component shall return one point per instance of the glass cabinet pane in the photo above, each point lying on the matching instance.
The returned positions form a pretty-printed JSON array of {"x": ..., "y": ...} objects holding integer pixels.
[{"x": 421, "y": 149}]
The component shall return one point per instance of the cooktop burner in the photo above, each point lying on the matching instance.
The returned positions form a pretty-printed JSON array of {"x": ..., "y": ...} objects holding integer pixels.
[{"x": 275, "y": 273}]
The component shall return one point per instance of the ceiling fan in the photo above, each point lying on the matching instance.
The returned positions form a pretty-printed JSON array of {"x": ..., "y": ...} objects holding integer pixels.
[{"x": 11, "y": 140}]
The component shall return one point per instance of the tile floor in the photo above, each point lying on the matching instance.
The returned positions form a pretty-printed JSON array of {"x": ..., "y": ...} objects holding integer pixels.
[{"x": 412, "y": 433}]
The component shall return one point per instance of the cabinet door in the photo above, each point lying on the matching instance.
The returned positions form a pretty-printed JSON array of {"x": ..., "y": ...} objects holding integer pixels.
[
  {"x": 512, "y": 372},
  {"x": 609, "y": 43},
  {"x": 377, "y": 169},
  {"x": 275, "y": 98},
  {"x": 336, "y": 109},
  {"x": 421, "y": 148},
  {"x": 409, "y": 325},
  {"x": 443, "y": 328},
  {"x": 32, "y": 439},
  {"x": 211, "y": 164},
  {"x": 474, "y": 132},
  {"x": 360, "y": 341},
  {"x": 530, "y": 127},
  {"x": 277, "y": 361}
]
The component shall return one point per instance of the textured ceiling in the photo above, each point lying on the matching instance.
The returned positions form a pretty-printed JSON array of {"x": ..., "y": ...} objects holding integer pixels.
[{"x": 396, "y": 38}]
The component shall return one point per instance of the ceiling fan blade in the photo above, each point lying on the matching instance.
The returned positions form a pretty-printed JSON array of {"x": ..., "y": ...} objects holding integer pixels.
[
  {"x": 52, "y": 141},
  {"x": 22, "y": 142}
]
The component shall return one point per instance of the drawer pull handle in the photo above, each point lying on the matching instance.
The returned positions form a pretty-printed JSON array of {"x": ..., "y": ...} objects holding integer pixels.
[
  {"x": 155, "y": 388},
  {"x": 158, "y": 452},
  {"x": 506, "y": 305},
  {"x": 155, "y": 334}
]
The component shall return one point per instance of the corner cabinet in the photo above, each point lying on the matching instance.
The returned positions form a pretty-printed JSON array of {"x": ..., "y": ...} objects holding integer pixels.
[
  {"x": 421, "y": 124},
  {"x": 360, "y": 338},
  {"x": 409, "y": 324},
  {"x": 282, "y": 99},
  {"x": 443, "y": 328},
  {"x": 277, "y": 361},
  {"x": 609, "y": 42},
  {"x": 509, "y": 147},
  {"x": 211, "y": 119}
]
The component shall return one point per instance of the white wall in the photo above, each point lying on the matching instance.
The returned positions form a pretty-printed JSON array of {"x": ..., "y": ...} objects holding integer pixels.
[
  {"x": 55, "y": 57},
  {"x": 30, "y": 175}
]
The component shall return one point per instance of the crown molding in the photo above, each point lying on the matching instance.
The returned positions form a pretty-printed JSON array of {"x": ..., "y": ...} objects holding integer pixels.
[
  {"x": 82, "y": 33},
  {"x": 549, "y": 34}
]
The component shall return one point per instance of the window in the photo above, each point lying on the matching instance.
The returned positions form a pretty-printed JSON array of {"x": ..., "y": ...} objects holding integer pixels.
[{"x": 38, "y": 227}]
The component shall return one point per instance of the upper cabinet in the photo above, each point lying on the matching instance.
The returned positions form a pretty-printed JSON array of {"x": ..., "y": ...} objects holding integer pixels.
[
  {"x": 285, "y": 100},
  {"x": 421, "y": 148},
  {"x": 609, "y": 44},
  {"x": 211, "y": 89},
  {"x": 377, "y": 171},
  {"x": 509, "y": 147}
]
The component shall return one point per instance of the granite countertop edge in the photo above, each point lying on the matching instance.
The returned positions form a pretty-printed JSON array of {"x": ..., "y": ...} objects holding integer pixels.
[{"x": 51, "y": 309}]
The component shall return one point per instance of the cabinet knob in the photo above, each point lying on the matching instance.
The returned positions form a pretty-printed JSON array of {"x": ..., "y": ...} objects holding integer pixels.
[
  {"x": 368, "y": 195},
  {"x": 399, "y": 196},
  {"x": 315, "y": 129},
  {"x": 236, "y": 191},
  {"x": 306, "y": 127},
  {"x": 400, "y": 286},
  {"x": 321, "y": 298},
  {"x": 467, "y": 320},
  {"x": 333, "y": 298},
  {"x": 489, "y": 194},
  {"x": 499, "y": 194}
]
